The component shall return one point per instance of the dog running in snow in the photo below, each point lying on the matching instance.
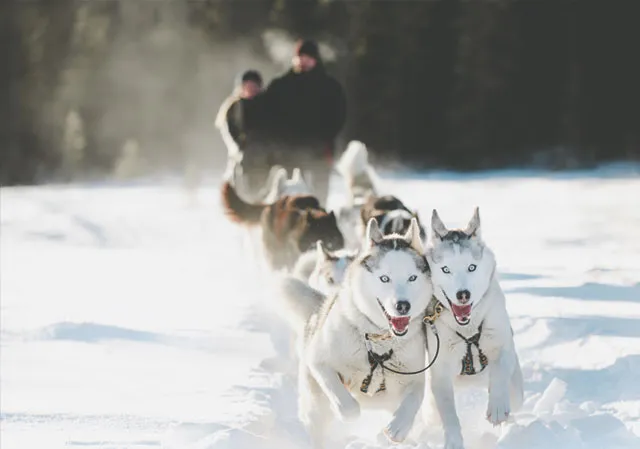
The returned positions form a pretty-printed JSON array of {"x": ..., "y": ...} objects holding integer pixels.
[
  {"x": 374, "y": 318},
  {"x": 290, "y": 226},
  {"x": 360, "y": 184},
  {"x": 476, "y": 338},
  {"x": 391, "y": 213}
]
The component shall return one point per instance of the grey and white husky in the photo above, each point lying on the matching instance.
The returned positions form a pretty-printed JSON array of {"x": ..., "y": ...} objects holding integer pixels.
[
  {"x": 348, "y": 341},
  {"x": 323, "y": 269},
  {"x": 474, "y": 327},
  {"x": 360, "y": 183}
]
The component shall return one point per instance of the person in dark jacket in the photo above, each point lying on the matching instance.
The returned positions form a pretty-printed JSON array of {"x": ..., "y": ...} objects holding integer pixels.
[
  {"x": 307, "y": 110},
  {"x": 231, "y": 115}
]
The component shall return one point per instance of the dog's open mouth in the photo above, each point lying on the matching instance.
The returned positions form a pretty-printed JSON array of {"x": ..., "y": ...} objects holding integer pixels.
[
  {"x": 399, "y": 324},
  {"x": 460, "y": 313}
]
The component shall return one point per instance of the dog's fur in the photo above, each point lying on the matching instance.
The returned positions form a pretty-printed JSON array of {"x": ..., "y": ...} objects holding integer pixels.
[
  {"x": 465, "y": 283},
  {"x": 360, "y": 183},
  {"x": 290, "y": 226},
  {"x": 322, "y": 269},
  {"x": 357, "y": 173},
  {"x": 391, "y": 213},
  {"x": 281, "y": 186},
  {"x": 276, "y": 186},
  {"x": 333, "y": 355}
]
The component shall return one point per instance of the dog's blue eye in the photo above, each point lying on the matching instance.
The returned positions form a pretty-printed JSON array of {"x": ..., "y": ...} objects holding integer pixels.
[
  {"x": 446, "y": 270},
  {"x": 412, "y": 278},
  {"x": 384, "y": 278},
  {"x": 472, "y": 267}
]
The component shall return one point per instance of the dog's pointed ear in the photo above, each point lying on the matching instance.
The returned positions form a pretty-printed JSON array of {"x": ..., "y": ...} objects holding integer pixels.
[
  {"x": 438, "y": 229},
  {"x": 296, "y": 176},
  {"x": 306, "y": 216},
  {"x": 280, "y": 179},
  {"x": 473, "y": 228},
  {"x": 374, "y": 234},
  {"x": 413, "y": 236},
  {"x": 323, "y": 254}
]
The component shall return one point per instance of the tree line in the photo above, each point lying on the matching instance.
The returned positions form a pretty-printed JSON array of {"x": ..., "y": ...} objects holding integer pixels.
[{"x": 102, "y": 88}]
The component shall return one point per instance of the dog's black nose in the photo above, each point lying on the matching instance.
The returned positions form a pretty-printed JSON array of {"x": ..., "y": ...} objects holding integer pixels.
[
  {"x": 463, "y": 296},
  {"x": 403, "y": 307}
]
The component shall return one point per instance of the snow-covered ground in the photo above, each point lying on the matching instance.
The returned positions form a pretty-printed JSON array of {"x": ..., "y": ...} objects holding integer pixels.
[{"x": 132, "y": 317}]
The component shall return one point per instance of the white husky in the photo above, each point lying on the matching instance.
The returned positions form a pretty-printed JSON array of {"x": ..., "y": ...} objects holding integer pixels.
[
  {"x": 322, "y": 269},
  {"x": 474, "y": 327},
  {"x": 360, "y": 183},
  {"x": 350, "y": 342},
  {"x": 358, "y": 174}
]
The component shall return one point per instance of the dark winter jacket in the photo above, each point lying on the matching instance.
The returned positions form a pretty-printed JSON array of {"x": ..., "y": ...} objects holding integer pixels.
[
  {"x": 306, "y": 109},
  {"x": 247, "y": 122}
]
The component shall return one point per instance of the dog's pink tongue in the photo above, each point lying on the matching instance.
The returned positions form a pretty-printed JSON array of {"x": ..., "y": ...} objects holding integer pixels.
[
  {"x": 400, "y": 323},
  {"x": 461, "y": 311}
]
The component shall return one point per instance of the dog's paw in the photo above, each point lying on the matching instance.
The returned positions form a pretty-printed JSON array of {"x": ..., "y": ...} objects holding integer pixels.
[
  {"x": 499, "y": 408},
  {"x": 347, "y": 411},
  {"x": 453, "y": 441},
  {"x": 397, "y": 430}
]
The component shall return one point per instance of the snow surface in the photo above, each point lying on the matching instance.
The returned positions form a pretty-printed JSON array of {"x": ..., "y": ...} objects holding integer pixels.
[{"x": 132, "y": 316}]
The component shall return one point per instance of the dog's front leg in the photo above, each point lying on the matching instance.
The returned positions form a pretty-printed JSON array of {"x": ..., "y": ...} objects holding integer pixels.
[
  {"x": 343, "y": 404},
  {"x": 500, "y": 371},
  {"x": 441, "y": 382},
  {"x": 405, "y": 414}
]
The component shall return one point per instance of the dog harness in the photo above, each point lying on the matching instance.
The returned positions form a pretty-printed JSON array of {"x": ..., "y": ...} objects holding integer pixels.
[
  {"x": 467, "y": 362},
  {"x": 375, "y": 361},
  {"x": 467, "y": 368}
]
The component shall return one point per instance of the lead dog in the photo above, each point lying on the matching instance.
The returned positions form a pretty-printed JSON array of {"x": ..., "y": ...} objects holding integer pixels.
[
  {"x": 474, "y": 327},
  {"x": 374, "y": 319}
]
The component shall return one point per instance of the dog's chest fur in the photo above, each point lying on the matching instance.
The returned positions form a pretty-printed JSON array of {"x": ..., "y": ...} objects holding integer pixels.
[
  {"x": 382, "y": 382},
  {"x": 343, "y": 346}
]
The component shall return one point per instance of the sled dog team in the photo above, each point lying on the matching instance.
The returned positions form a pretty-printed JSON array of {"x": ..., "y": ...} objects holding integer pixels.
[{"x": 380, "y": 309}]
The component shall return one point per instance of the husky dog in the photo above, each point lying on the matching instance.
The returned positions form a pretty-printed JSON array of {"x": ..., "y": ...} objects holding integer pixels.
[
  {"x": 290, "y": 226},
  {"x": 358, "y": 175},
  {"x": 474, "y": 326},
  {"x": 323, "y": 269},
  {"x": 348, "y": 342},
  {"x": 276, "y": 186},
  {"x": 391, "y": 213}
]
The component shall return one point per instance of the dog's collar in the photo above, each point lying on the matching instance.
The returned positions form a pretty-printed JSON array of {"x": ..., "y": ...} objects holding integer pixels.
[
  {"x": 434, "y": 310},
  {"x": 378, "y": 337}
]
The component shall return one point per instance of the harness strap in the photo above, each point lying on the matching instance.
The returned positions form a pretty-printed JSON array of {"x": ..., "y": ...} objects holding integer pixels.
[
  {"x": 467, "y": 362},
  {"x": 375, "y": 360}
]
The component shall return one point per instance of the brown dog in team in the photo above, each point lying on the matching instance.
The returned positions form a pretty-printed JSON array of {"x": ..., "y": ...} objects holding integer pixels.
[{"x": 290, "y": 226}]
